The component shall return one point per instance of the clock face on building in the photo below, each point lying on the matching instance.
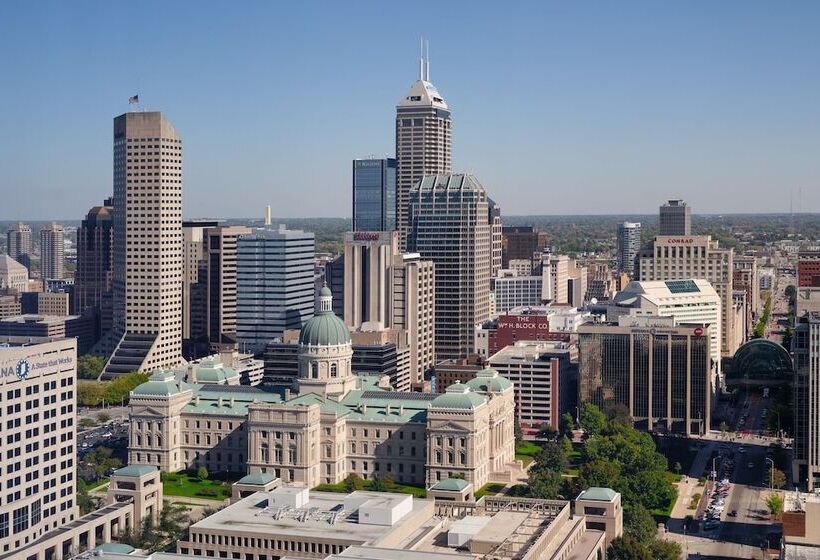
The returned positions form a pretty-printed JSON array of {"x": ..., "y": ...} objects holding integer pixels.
[{"x": 23, "y": 369}]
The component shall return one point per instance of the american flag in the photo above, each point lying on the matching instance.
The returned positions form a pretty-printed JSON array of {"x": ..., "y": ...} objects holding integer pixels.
[{"x": 134, "y": 99}]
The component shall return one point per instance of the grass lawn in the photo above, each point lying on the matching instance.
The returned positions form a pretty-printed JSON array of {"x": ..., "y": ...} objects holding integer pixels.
[
  {"x": 181, "y": 484},
  {"x": 661, "y": 515},
  {"x": 575, "y": 455},
  {"x": 97, "y": 484},
  {"x": 417, "y": 491},
  {"x": 527, "y": 448},
  {"x": 525, "y": 459},
  {"x": 673, "y": 478},
  {"x": 491, "y": 489}
]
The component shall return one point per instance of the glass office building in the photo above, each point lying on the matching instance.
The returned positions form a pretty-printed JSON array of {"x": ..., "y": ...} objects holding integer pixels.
[{"x": 374, "y": 194}]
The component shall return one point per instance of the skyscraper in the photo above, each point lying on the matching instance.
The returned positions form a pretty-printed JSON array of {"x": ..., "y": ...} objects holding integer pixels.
[
  {"x": 423, "y": 142},
  {"x": 675, "y": 218},
  {"x": 20, "y": 244},
  {"x": 220, "y": 282},
  {"x": 521, "y": 242},
  {"x": 147, "y": 282},
  {"x": 629, "y": 243},
  {"x": 52, "y": 251},
  {"x": 448, "y": 214},
  {"x": 374, "y": 194},
  {"x": 274, "y": 285},
  {"x": 92, "y": 279}
]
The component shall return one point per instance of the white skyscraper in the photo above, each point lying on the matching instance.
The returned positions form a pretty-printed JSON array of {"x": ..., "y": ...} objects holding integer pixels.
[
  {"x": 629, "y": 243},
  {"x": 147, "y": 244},
  {"x": 423, "y": 142},
  {"x": 52, "y": 251}
]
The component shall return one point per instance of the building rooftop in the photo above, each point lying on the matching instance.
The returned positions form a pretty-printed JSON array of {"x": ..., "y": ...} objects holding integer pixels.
[
  {"x": 135, "y": 470},
  {"x": 256, "y": 478},
  {"x": 598, "y": 494},
  {"x": 451, "y": 485}
]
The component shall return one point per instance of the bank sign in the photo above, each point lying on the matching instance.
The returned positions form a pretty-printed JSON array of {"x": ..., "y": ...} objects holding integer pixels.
[{"x": 20, "y": 367}]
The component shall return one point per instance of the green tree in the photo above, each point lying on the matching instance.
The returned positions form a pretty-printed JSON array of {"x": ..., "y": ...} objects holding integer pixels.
[
  {"x": 202, "y": 473},
  {"x": 519, "y": 434},
  {"x": 89, "y": 366},
  {"x": 639, "y": 524},
  {"x": 775, "y": 478},
  {"x": 665, "y": 550},
  {"x": 592, "y": 420},
  {"x": 103, "y": 417},
  {"x": 546, "y": 484},
  {"x": 353, "y": 482},
  {"x": 724, "y": 426},
  {"x": 618, "y": 412},
  {"x": 678, "y": 467},
  {"x": 774, "y": 502},
  {"x": 546, "y": 431},
  {"x": 566, "y": 444},
  {"x": 627, "y": 548},
  {"x": 90, "y": 393},
  {"x": 173, "y": 520},
  {"x": 86, "y": 423},
  {"x": 600, "y": 473},
  {"x": 551, "y": 456},
  {"x": 85, "y": 502},
  {"x": 567, "y": 424}
]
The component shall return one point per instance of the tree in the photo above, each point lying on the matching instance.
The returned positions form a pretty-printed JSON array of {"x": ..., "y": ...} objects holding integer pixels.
[
  {"x": 89, "y": 367},
  {"x": 566, "y": 444},
  {"x": 639, "y": 524},
  {"x": 774, "y": 502},
  {"x": 519, "y": 434},
  {"x": 551, "y": 457},
  {"x": 353, "y": 482},
  {"x": 173, "y": 520},
  {"x": 618, "y": 412},
  {"x": 86, "y": 423},
  {"x": 546, "y": 431},
  {"x": 202, "y": 473},
  {"x": 103, "y": 417},
  {"x": 724, "y": 426},
  {"x": 775, "y": 478},
  {"x": 678, "y": 467},
  {"x": 627, "y": 548},
  {"x": 90, "y": 393},
  {"x": 567, "y": 424},
  {"x": 592, "y": 420},
  {"x": 665, "y": 550},
  {"x": 545, "y": 483}
]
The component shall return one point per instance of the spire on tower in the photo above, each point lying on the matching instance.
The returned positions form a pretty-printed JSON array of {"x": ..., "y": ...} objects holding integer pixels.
[
  {"x": 421, "y": 58},
  {"x": 427, "y": 62}
]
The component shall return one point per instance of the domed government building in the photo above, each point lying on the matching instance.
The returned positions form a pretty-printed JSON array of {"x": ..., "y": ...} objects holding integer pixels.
[{"x": 330, "y": 424}]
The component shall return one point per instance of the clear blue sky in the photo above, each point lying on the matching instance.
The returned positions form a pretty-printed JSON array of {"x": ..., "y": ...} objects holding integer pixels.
[{"x": 568, "y": 107}]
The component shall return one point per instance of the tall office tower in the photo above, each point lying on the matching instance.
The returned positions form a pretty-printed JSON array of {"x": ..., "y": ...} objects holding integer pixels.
[
  {"x": 629, "y": 243},
  {"x": 52, "y": 251},
  {"x": 20, "y": 244},
  {"x": 681, "y": 258},
  {"x": 655, "y": 368},
  {"x": 220, "y": 283},
  {"x": 745, "y": 277},
  {"x": 13, "y": 275},
  {"x": 448, "y": 214},
  {"x": 515, "y": 290},
  {"x": 675, "y": 218},
  {"x": 334, "y": 277},
  {"x": 374, "y": 194},
  {"x": 274, "y": 285},
  {"x": 806, "y": 352},
  {"x": 38, "y": 481},
  {"x": 577, "y": 277},
  {"x": 95, "y": 255},
  {"x": 559, "y": 275},
  {"x": 423, "y": 142},
  {"x": 414, "y": 310},
  {"x": 496, "y": 237},
  {"x": 193, "y": 291},
  {"x": 147, "y": 281},
  {"x": 368, "y": 258},
  {"x": 521, "y": 242}
]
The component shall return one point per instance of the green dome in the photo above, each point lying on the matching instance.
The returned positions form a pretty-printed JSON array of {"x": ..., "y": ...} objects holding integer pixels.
[
  {"x": 460, "y": 396},
  {"x": 210, "y": 371},
  {"x": 489, "y": 380},
  {"x": 161, "y": 383},
  {"x": 325, "y": 329}
]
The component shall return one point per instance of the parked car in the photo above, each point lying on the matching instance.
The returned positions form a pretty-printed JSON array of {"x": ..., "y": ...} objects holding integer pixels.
[{"x": 732, "y": 513}]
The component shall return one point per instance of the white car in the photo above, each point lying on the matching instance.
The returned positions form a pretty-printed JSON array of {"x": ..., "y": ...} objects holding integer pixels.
[{"x": 716, "y": 507}]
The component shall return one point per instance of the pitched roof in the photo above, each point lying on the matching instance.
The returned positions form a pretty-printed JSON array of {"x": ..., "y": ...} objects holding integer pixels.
[
  {"x": 135, "y": 470},
  {"x": 598, "y": 494},
  {"x": 451, "y": 485}
]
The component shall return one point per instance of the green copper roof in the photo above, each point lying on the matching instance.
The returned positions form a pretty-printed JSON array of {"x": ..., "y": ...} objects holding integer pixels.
[
  {"x": 489, "y": 380},
  {"x": 324, "y": 329},
  {"x": 451, "y": 485},
  {"x": 256, "y": 478},
  {"x": 210, "y": 371},
  {"x": 135, "y": 470},
  {"x": 161, "y": 383},
  {"x": 459, "y": 395},
  {"x": 598, "y": 494},
  {"x": 117, "y": 548}
]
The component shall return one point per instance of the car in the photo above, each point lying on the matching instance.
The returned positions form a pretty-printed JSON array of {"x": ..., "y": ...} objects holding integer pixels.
[
  {"x": 716, "y": 507},
  {"x": 711, "y": 524},
  {"x": 742, "y": 449},
  {"x": 732, "y": 513},
  {"x": 750, "y": 465}
]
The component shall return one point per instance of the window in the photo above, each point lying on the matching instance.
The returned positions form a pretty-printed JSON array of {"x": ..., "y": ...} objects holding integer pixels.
[
  {"x": 332, "y": 370},
  {"x": 314, "y": 370}
]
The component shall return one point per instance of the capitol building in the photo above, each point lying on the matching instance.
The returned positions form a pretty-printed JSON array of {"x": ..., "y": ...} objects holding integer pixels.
[{"x": 331, "y": 424}]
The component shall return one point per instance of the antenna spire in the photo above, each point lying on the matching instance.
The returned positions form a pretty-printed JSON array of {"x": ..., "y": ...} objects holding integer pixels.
[
  {"x": 427, "y": 63},
  {"x": 421, "y": 58}
]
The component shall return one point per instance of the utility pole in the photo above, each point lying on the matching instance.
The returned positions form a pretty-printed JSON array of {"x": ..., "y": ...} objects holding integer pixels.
[{"x": 771, "y": 475}]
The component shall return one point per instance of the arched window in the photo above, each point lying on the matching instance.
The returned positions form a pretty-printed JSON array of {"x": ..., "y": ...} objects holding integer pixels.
[
  {"x": 314, "y": 370},
  {"x": 148, "y": 440},
  {"x": 463, "y": 458},
  {"x": 333, "y": 370},
  {"x": 450, "y": 460},
  {"x": 438, "y": 457}
]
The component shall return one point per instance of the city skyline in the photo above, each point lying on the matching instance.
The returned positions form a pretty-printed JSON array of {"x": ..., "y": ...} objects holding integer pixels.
[{"x": 721, "y": 106}]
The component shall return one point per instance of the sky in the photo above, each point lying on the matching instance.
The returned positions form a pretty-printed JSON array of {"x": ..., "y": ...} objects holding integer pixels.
[{"x": 558, "y": 107}]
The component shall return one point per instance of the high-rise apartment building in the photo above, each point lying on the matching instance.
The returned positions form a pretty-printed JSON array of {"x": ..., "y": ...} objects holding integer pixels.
[
  {"x": 423, "y": 142},
  {"x": 675, "y": 218},
  {"x": 629, "y": 243},
  {"x": 414, "y": 310},
  {"x": 37, "y": 384},
  {"x": 682, "y": 258},
  {"x": 52, "y": 251},
  {"x": 147, "y": 280},
  {"x": 521, "y": 243},
  {"x": 93, "y": 277},
  {"x": 659, "y": 370},
  {"x": 20, "y": 244},
  {"x": 274, "y": 285},
  {"x": 448, "y": 214},
  {"x": 374, "y": 194}
]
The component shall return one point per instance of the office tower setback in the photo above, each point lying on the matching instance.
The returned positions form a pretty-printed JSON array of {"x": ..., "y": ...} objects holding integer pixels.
[
  {"x": 496, "y": 237},
  {"x": 93, "y": 277},
  {"x": 274, "y": 285},
  {"x": 374, "y": 194},
  {"x": 675, "y": 218},
  {"x": 521, "y": 243},
  {"x": 423, "y": 142},
  {"x": 38, "y": 380},
  {"x": 448, "y": 214},
  {"x": 52, "y": 252},
  {"x": 745, "y": 277},
  {"x": 629, "y": 243},
  {"x": 656, "y": 369},
  {"x": 20, "y": 244},
  {"x": 414, "y": 310},
  {"x": 147, "y": 281},
  {"x": 368, "y": 258}
]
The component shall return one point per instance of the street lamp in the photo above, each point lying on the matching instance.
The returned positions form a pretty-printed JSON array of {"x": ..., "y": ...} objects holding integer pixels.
[{"x": 771, "y": 475}]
